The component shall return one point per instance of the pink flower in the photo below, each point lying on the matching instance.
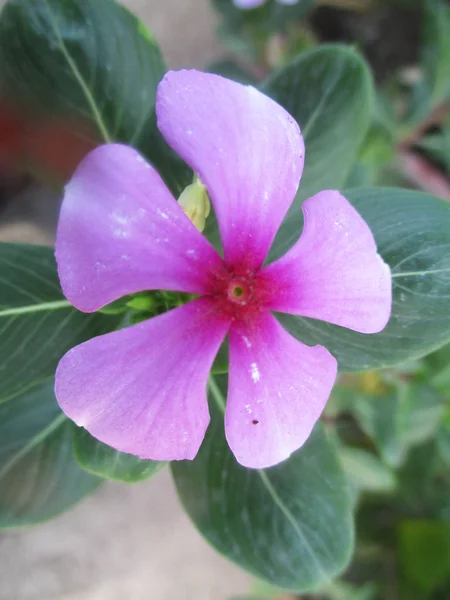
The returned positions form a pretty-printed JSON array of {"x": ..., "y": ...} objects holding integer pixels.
[{"x": 142, "y": 389}]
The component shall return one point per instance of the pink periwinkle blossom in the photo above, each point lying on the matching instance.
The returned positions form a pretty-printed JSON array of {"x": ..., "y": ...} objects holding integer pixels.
[
  {"x": 248, "y": 4},
  {"x": 143, "y": 389}
]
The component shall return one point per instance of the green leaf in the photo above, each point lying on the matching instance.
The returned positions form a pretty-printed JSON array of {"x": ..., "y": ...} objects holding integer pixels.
[
  {"x": 91, "y": 65},
  {"x": 425, "y": 480},
  {"x": 261, "y": 590},
  {"x": 39, "y": 476},
  {"x": 329, "y": 91},
  {"x": 438, "y": 369},
  {"x": 290, "y": 525},
  {"x": 434, "y": 87},
  {"x": 365, "y": 471},
  {"x": 376, "y": 152},
  {"x": 443, "y": 442},
  {"x": 104, "y": 461},
  {"x": 93, "y": 59},
  {"x": 342, "y": 590},
  {"x": 425, "y": 553},
  {"x": 37, "y": 324},
  {"x": 436, "y": 49},
  {"x": 400, "y": 421},
  {"x": 412, "y": 231},
  {"x": 437, "y": 145},
  {"x": 264, "y": 590}
]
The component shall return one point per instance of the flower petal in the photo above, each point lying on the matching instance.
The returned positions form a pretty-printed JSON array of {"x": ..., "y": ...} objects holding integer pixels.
[
  {"x": 142, "y": 389},
  {"x": 333, "y": 273},
  {"x": 277, "y": 389},
  {"x": 246, "y": 148},
  {"x": 121, "y": 231}
]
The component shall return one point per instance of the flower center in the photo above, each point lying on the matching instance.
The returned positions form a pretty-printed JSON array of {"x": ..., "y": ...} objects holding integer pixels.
[{"x": 239, "y": 292}]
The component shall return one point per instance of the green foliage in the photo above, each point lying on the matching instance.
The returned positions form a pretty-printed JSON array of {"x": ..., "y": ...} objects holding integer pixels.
[
  {"x": 37, "y": 324},
  {"x": 376, "y": 151},
  {"x": 81, "y": 59},
  {"x": 290, "y": 525},
  {"x": 402, "y": 420},
  {"x": 424, "y": 547},
  {"x": 398, "y": 421},
  {"x": 99, "y": 83},
  {"x": 436, "y": 50},
  {"x": 104, "y": 461},
  {"x": 341, "y": 590},
  {"x": 437, "y": 146},
  {"x": 424, "y": 489},
  {"x": 39, "y": 476},
  {"x": 433, "y": 88},
  {"x": 436, "y": 369},
  {"x": 366, "y": 471}
]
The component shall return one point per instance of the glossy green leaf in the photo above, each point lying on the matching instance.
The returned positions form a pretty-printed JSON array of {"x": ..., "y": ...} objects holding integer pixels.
[
  {"x": 104, "y": 461},
  {"x": 290, "y": 525},
  {"x": 92, "y": 66},
  {"x": 93, "y": 59},
  {"x": 412, "y": 231},
  {"x": 39, "y": 476},
  {"x": 424, "y": 547},
  {"x": 37, "y": 324},
  {"x": 328, "y": 90}
]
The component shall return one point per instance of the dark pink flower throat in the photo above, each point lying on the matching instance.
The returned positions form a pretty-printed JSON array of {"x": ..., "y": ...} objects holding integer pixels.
[{"x": 239, "y": 293}]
